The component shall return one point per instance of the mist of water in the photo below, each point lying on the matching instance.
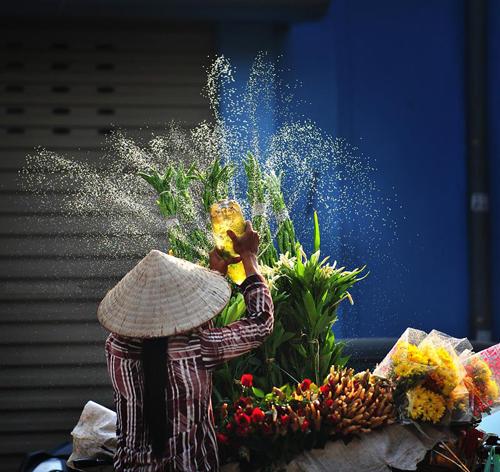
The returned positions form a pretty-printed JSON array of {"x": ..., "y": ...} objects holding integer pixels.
[{"x": 263, "y": 118}]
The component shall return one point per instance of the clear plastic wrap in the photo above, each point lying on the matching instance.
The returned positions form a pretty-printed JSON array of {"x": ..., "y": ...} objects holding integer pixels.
[
  {"x": 483, "y": 379},
  {"x": 429, "y": 377}
]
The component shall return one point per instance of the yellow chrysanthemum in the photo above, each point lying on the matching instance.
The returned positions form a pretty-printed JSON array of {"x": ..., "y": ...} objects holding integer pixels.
[
  {"x": 446, "y": 373},
  {"x": 425, "y": 405},
  {"x": 408, "y": 360}
]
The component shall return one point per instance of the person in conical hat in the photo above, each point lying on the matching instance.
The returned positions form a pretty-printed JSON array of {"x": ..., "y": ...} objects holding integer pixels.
[{"x": 163, "y": 347}]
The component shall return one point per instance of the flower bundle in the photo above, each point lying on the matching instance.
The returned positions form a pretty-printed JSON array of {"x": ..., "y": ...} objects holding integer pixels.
[
  {"x": 285, "y": 234},
  {"x": 257, "y": 198},
  {"x": 176, "y": 205},
  {"x": 483, "y": 379},
  {"x": 438, "y": 379},
  {"x": 428, "y": 376},
  {"x": 271, "y": 428}
]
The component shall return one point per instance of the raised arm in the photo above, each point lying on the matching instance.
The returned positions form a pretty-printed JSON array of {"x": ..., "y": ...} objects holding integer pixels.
[{"x": 221, "y": 344}]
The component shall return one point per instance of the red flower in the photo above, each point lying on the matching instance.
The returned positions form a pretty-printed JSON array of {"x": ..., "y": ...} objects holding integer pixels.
[
  {"x": 247, "y": 380},
  {"x": 229, "y": 426},
  {"x": 305, "y": 425},
  {"x": 242, "y": 419},
  {"x": 244, "y": 401},
  {"x": 258, "y": 416},
  {"x": 222, "y": 438},
  {"x": 284, "y": 419},
  {"x": 306, "y": 384},
  {"x": 324, "y": 389},
  {"x": 329, "y": 402}
]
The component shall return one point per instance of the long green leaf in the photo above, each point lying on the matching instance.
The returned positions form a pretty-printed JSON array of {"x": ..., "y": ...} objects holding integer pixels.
[
  {"x": 310, "y": 306},
  {"x": 317, "y": 236}
]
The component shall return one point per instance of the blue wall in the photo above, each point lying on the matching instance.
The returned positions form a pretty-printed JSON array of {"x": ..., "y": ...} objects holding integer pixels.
[
  {"x": 494, "y": 149},
  {"x": 389, "y": 77}
]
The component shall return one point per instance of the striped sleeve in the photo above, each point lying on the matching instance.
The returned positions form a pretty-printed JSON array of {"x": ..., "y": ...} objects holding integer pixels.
[{"x": 222, "y": 344}]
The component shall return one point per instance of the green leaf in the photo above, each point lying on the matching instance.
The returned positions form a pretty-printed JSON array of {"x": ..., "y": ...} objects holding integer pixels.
[
  {"x": 317, "y": 237},
  {"x": 310, "y": 307},
  {"x": 299, "y": 265},
  {"x": 301, "y": 350},
  {"x": 258, "y": 392}
]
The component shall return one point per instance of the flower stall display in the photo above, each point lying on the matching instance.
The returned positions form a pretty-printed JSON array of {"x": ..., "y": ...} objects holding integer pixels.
[
  {"x": 267, "y": 430},
  {"x": 269, "y": 416}
]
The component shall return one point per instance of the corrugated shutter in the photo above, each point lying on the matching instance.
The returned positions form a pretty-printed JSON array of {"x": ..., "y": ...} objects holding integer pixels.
[{"x": 61, "y": 87}]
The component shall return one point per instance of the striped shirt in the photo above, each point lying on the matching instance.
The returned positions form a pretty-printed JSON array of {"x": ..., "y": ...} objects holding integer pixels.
[{"x": 191, "y": 445}]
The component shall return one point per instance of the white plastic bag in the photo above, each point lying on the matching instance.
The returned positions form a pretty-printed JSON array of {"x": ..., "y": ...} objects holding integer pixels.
[{"x": 94, "y": 437}]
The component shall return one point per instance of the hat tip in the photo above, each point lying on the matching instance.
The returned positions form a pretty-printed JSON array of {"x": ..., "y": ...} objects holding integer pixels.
[{"x": 155, "y": 253}]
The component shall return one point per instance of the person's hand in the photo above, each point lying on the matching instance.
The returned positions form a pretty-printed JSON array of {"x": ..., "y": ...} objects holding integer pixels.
[
  {"x": 219, "y": 264},
  {"x": 247, "y": 244}
]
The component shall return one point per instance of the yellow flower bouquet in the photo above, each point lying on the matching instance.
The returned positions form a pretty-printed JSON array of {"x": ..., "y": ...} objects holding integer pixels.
[{"x": 428, "y": 375}]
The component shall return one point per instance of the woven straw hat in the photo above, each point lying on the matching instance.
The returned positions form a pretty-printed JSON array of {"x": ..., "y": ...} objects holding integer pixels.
[{"x": 163, "y": 295}]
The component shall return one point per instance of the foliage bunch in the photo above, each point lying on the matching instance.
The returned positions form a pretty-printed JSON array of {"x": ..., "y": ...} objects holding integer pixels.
[
  {"x": 173, "y": 188},
  {"x": 256, "y": 195},
  {"x": 215, "y": 180},
  {"x": 314, "y": 291},
  {"x": 175, "y": 203},
  {"x": 285, "y": 234},
  {"x": 306, "y": 293}
]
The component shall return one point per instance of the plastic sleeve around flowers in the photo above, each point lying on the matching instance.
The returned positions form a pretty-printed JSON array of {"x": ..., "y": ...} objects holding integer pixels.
[{"x": 222, "y": 344}]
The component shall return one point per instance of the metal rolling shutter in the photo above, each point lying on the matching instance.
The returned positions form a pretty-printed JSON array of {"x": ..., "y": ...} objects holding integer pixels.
[{"x": 61, "y": 87}]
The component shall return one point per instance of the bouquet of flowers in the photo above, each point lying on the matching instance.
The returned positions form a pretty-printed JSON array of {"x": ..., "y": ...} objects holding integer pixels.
[
  {"x": 439, "y": 379},
  {"x": 428, "y": 376},
  {"x": 483, "y": 379}
]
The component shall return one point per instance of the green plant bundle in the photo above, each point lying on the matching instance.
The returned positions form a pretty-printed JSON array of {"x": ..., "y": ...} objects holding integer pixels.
[
  {"x": 215, "y": 180},
  {"x": 285, "y": 234},
  {"x": 306, "y": 292},
  {"x": 256, "y": 194},
  {"x": 176, "y": 204},
  {"x": 315, "y": 289}
]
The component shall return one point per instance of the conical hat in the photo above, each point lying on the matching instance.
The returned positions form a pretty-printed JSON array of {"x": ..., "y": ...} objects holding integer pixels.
[{"x": 163, "y": 295}]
